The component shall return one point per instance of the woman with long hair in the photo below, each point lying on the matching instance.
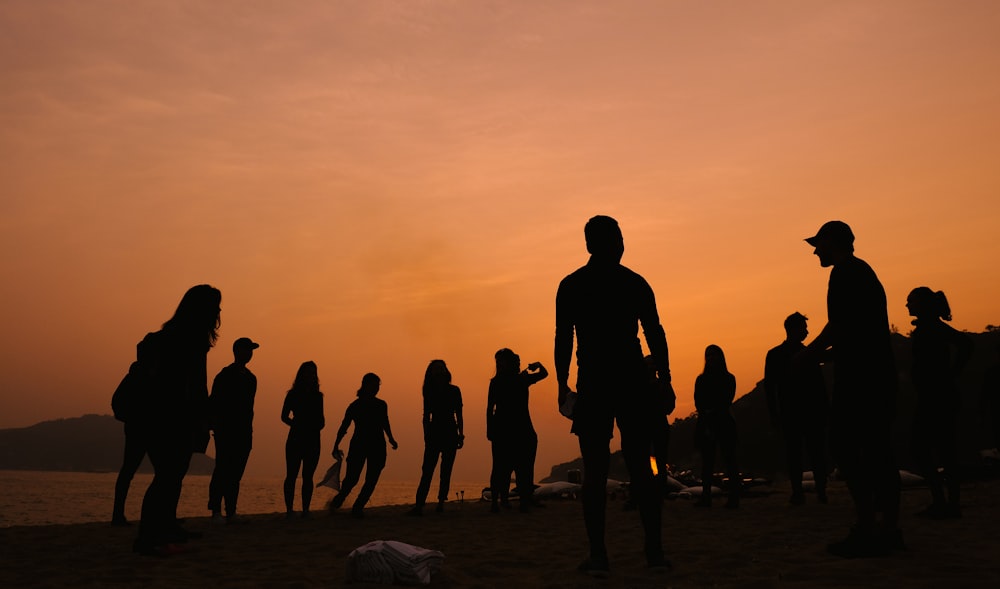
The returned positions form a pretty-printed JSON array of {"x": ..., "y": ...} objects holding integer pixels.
[
  {"x": 714, "y": 391},
  {"x": 509, "y": 428},
  {"x": 940, "y": 352},
  {"x": 371, "y": 427},
  {"x": 174, "y": 418},
  {"x": 444, "y": 432},
  {"x": 302, "y": 411}
]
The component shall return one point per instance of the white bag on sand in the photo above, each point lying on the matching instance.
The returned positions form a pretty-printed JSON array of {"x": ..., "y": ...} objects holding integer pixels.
[
  {"x": 388, "y": 562},
  {"x": 332, "y": 477}
]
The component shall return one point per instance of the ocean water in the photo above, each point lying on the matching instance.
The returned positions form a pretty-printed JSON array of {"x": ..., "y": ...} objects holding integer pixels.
[{"x": 34, "y": 498}]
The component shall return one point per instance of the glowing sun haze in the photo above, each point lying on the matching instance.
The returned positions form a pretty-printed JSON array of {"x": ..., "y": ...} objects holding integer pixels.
[{"x": 373, "y": 185}]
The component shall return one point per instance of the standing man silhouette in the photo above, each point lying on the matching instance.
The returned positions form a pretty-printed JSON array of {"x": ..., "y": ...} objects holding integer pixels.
[
  {"x": 231, "y": 416},
  {"x": 602, "y": 304},
  {"x": 798, "y": 404},
  {"x": 864, "y": 392}
]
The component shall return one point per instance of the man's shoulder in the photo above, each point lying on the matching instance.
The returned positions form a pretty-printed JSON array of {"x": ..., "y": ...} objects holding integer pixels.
[
  {"x": 853, "y": 266},
  {"x": 576, "y": 275},
  {"x": 590, "y": 272}
]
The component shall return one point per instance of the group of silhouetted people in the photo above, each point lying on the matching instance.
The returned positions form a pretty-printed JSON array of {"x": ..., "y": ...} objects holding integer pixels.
[{"x": 599, "y": 310}]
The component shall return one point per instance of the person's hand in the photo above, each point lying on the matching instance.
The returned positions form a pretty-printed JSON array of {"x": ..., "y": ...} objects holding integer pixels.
[
  {"x": 564, "y": 390},
  {"x": 667, "y": 396},
  {"x": 461, "y": 441},
  {"x": 393, "y": 444},
  {"x": 535, "y": 366}
]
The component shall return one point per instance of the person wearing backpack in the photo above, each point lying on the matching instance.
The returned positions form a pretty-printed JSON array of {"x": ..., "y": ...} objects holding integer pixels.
[{"x": 174, "y": 418}]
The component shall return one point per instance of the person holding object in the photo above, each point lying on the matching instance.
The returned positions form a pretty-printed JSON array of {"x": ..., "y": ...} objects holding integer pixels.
[
  {"x": 603, "y": 304},
  {"x": 371, "y": 427}
]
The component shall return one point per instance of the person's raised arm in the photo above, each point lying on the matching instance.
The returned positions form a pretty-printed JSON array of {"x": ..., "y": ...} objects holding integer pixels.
[{"x": 535, "y": 372}]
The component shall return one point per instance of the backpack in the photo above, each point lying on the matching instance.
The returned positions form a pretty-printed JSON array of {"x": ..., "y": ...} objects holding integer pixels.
[
  {"x": 127, "y": 398},
  {"x": 131, "y": 398}
]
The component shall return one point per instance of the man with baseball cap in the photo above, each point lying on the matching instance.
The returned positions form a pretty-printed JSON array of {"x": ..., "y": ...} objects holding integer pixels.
[
  {"x": 857, "y": 339},
  {"x": 231, "y": 415}
]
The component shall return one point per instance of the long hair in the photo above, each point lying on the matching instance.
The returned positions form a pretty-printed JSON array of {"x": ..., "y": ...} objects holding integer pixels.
[
  {"x": 198, "y": 314},
  {"x": 933, "y": 302},
  {"x": 719, "y": 365},
  {"x": 368, "y": 382},
  {"x": 306, "y": 379},
  {"x": 507, "y": 362},
  {"x": 430, "y": 375}
]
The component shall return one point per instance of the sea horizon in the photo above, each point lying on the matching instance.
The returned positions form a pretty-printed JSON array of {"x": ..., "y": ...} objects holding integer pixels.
[{"x": 41, "y": 497}]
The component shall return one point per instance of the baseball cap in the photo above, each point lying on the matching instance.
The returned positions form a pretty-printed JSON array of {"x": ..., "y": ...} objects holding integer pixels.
[
  {"x": 245, "y": 342},
  {"x": 833, "y": 231}
]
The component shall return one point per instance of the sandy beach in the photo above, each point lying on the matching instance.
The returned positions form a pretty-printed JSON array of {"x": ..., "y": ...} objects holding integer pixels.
[{"x": 766, "y": 543}]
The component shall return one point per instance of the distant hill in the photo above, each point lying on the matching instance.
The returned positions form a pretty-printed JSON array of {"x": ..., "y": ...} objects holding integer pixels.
[
  {"x": 761, "y": 449},
  {"x": 92, "y": 443}
]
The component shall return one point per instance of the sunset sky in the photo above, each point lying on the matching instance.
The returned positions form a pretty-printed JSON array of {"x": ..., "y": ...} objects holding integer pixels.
[{"x": 373, "y": 185}]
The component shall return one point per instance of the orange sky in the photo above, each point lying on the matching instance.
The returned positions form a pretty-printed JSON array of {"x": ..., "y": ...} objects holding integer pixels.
[{"x": 374, "y": 185}]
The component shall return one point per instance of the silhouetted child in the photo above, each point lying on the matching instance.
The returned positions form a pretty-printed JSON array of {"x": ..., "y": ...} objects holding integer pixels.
[
  {"x": 371, "y": 427},
  {"x": 303, "y": 412},
  {"x": 940, "y": 352},
  {"x": 714, "y": 391},
  {"x": 509, "y": 427},
  {"x": 444, "y": 432},
  {"x": 231, "y": 416}
]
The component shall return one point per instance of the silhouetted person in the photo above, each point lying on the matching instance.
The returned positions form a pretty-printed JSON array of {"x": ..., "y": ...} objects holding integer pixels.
[
  {"x": 602, "y": 304},
  {"x": 175, "y": 418},
  {"x": 303, "y": 412},
  {"x": 444, "y": 432},
  {"x": 864, "y": 392},
  {"x": 799, "y": 407},
  {"x": 715, "y": 430},
  {"x": 230, "y": 408},
  {"x": 940, "y": 353},
  {"x": 509, "y": 428},
  {"x": 370, "y": 416}
]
